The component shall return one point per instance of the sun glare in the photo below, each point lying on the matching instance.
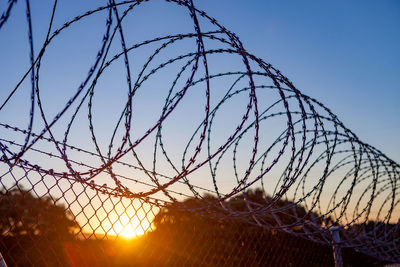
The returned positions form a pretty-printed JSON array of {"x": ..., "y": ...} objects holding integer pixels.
[
  {"x": 125, "y": 222},
  {"x": 127, "y": 231}
]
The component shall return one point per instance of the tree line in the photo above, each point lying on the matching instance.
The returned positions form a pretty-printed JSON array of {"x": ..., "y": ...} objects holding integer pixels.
[{"x": 37, "y": 232}]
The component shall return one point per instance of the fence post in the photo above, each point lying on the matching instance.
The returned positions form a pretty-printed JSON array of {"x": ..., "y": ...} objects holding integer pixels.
[
  {"x": 2, "y": 261},
  {"x": 337, "y": 252}
]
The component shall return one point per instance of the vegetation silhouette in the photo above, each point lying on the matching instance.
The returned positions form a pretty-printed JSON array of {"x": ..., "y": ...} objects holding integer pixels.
[
  {"x": 36, "y": 232},
  {"x": 32, "y": 229},
  {"x": 181, "y": 234}
]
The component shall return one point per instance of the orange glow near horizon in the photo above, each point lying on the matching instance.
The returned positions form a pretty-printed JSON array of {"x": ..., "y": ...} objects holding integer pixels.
[
  {"x": 124, "y": 226},
  {"x": 128, "y": 231},
  {"x": 115, "y": 218}
]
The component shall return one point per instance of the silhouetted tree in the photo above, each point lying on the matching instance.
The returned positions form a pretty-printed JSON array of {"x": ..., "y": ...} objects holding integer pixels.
[
  {"x": 32, "y": 230},
  {"x": 23, "y": 214},
  {"x": 35, "y": 232},
  {"x": 187, "y": 232}
]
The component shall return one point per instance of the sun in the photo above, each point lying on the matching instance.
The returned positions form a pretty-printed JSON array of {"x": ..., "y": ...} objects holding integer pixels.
[
  {"x": 128, "y": 231},
  {"x": 124, "y": 223}
]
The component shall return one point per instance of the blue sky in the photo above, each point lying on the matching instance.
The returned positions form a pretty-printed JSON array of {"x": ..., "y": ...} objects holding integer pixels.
[{"x": 343, "y": 53}]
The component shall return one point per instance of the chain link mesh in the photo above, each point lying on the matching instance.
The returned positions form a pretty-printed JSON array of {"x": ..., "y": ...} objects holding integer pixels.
[{"x": 231, "y": 165}]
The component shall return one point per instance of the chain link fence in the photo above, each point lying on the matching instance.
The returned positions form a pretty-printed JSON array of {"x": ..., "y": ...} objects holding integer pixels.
[
  {"x": 41, "y": 230},
  {"x": 193, "y": 162}
]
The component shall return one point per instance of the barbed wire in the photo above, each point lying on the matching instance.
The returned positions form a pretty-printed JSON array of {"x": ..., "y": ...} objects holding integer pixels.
[{"x": 284, "y": 141}]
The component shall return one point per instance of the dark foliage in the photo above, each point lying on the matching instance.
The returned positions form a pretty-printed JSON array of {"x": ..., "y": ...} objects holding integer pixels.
[
  {"x": 22, "y": 214},
  {"x": 33, "y": 230},
  {"x": 183, "y": 235},
  {"x": 36, "y": 232}
]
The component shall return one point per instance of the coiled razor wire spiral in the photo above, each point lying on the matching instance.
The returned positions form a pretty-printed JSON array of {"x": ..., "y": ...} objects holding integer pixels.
[{"x": 219, "y": 128}]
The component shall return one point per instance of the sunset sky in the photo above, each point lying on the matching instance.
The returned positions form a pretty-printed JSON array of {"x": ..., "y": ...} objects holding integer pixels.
[{"x": 344, "y": 54}]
